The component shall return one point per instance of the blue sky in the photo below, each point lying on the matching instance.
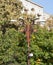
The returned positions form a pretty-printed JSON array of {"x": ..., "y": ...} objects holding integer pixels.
[{"x": 47, "y": 4}]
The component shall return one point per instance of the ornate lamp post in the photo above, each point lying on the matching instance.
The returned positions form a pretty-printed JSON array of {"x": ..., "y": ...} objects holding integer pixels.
[
  {"x": 28, "y": 41},
  {"x": 28, "y": 33}
]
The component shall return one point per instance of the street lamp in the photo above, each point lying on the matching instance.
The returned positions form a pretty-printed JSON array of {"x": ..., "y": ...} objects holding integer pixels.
[{"x": 28, "y": 32}]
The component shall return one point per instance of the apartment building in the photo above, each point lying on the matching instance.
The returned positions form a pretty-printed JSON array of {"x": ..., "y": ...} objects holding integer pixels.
[{"x": 37, "y": 10}]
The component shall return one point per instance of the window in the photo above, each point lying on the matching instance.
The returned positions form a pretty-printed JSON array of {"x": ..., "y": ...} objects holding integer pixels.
[
  {"x": 32, "y": 9},
  {"x": 25, "y": 10},
  {"x": 38, "y": 15}
]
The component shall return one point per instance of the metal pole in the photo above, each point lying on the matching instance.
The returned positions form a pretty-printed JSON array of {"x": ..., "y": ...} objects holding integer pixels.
[
  {"x": 28, "y": 41},
  {"x": 28, "y": 58}
]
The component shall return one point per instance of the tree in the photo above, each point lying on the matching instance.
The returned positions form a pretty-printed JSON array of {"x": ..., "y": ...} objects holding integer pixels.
[
  {"x": 42, "y": 47},
  {"x": 49, "y": 23},
  {"x": 13, "y": 44},
  {"x": 9, "y": 10}
]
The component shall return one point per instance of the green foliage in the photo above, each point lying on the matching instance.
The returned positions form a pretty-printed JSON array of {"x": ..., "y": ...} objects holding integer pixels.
[
  {"x": 13, "y": 44},
  {"x": 42, "y": 47},
  {"x": 12, "y": 47},
  {"x": 9, "y": 9}
]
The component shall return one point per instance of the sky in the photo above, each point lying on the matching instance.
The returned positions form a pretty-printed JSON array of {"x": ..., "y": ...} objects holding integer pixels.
[{"x": 47, "y": 4}]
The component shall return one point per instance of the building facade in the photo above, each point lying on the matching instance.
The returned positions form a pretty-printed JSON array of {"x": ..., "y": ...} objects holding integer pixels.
[{"x": 37, "y": 10}]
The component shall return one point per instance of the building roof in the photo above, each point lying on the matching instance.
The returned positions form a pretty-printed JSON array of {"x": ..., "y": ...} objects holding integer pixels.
[{"x": 34, "y": 3}]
